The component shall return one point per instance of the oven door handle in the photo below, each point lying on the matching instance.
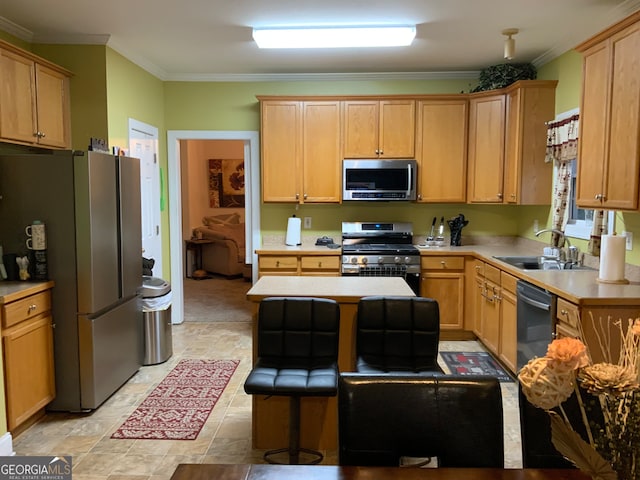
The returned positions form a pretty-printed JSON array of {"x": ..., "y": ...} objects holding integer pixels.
[{"x": 535, "y": 303}]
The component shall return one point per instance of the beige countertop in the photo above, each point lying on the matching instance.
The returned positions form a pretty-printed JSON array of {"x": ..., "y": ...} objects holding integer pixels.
[
  {"x": 577, "y": 286},
  {"x": 11, "y": 291},
  {"x": 341, "y": 289}
]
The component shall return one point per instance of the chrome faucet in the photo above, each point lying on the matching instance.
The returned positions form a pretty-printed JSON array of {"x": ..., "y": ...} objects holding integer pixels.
[
  {"x": 559, "y": 232},
  {"x": 571, "y": 257}
]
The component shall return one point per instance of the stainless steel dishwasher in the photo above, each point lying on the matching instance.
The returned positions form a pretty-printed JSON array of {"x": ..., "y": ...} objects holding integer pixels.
[{"x": 536, "y": 321}]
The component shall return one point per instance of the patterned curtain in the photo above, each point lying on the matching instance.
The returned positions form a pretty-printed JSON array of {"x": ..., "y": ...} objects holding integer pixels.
[
  {"x": 562, "y": 147},
  {"x": 599, "y": 228}
]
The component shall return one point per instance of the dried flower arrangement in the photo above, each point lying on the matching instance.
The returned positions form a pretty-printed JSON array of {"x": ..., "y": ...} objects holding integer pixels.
[{"x": 608, "y": 396}]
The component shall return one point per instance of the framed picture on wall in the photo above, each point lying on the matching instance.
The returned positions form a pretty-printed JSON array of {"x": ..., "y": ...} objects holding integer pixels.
[{"x": 226, "y": 183}]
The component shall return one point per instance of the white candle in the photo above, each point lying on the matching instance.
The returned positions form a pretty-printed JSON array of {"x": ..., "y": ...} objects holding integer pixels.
[{"x": 612, "y": 258}]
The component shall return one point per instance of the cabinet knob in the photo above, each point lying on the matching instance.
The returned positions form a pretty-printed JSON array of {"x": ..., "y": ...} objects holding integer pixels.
[
  {"x": 563, "y": 312},
  {"x": 499, "y": 195},
  {"x": 319, "y": 264},
  {"x": 32, "y": 308},
  {"x": 599, "y": 196},
  {"x": 277, "y": 263},
  {"x": 513, "y": 195},
  {"x": 304, "y": 196},
  {"x": 443, "y": 263},
  {"x": 297, "y": 196}
]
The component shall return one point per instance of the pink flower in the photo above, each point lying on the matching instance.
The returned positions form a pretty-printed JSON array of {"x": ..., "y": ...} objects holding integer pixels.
[{"x": 568, "y": 353}]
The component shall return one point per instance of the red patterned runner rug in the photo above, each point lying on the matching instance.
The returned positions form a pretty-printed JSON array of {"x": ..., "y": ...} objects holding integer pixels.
[{"x": 179, "y": 406}]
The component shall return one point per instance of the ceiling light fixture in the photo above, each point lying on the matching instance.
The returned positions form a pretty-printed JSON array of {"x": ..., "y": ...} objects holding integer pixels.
[
  {"x": 509, "y": 43},
  {"x": 334, "y": 37}
]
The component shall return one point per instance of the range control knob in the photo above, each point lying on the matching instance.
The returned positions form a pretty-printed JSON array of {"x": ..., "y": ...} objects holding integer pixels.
[
  {"x": 365, "y": 260},
  {"x": 407, "y": 260},
  {"x": 380, "y": 260},
  {"x": 354, "y": 260},
  {"x": 397, "y": 259}
]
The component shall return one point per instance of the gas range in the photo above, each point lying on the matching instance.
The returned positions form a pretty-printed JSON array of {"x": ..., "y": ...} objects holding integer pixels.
[{"x": 379, "y": 249}]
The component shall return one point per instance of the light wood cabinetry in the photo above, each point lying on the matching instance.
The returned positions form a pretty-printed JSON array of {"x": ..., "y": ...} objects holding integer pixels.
[
  {"x": 298, "y": 264},
  {"x": 595, "y": 325},
  {"x": 301, "y": 151},
  {"x": 609, "y": 145},
  {"x": 486, "y": 148},
  {"x": 443, "y": 279},
  {"x": 507, "y": 141},
  {"x": 528, "y": 179},
  {"x": 379, "y": 128},
  {"x": 27, "y": 341},
  {"x": 34, "y": 100},
  {"x": 508, "y": 351},
  {"x": 441, "y": 149},
  {"x": 495, "y": 312}
]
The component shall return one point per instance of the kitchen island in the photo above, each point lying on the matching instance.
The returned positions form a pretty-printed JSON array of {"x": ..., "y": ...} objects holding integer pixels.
[{"x": 319, "y": 419}]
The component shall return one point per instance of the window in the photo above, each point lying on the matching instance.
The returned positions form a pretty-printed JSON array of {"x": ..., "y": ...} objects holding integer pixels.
[{"x": 580, "y": 221}]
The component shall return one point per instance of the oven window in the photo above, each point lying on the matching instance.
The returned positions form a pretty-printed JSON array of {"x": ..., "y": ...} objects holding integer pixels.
[{"x": 377, "y": 179}]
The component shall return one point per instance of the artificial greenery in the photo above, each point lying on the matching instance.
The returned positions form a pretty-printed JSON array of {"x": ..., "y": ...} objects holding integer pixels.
[{"x": 500, "y": 76}]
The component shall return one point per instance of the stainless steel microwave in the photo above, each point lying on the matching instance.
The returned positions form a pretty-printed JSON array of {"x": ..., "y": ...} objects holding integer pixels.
[{"x": 383, "y": 180}]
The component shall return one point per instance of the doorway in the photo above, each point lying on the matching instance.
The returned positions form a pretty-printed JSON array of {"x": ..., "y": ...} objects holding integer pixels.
[{"x": 250, "y": 140}]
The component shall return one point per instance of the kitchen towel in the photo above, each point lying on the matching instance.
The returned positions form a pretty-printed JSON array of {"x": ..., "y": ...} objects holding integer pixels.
[
  {"x": 612, "y": 259},
  {"x": 293, "y": 231}
]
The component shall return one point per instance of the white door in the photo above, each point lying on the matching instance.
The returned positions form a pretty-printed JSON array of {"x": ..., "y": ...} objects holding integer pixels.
[{"x": 143, "y": 144}]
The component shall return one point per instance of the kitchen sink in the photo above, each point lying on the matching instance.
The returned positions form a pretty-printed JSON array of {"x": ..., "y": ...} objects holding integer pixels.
[{"x": 539, "y": 263}]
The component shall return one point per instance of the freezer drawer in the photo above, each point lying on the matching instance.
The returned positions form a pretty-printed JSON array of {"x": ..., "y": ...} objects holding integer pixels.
[{"x": 111, "y": 350}]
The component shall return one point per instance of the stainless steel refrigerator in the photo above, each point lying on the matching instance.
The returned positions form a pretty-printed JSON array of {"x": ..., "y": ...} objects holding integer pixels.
[{"x": 90, "y": 205}]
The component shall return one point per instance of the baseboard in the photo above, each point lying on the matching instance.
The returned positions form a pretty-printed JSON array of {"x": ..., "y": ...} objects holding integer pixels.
[{"x": 6, "y": 445}]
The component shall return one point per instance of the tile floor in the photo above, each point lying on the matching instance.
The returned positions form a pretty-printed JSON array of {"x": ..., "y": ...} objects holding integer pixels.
[{"x": 225, "y": 438}]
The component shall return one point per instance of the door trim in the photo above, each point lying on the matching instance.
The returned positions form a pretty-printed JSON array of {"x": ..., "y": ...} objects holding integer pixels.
[{"x": 252, "y": 203}]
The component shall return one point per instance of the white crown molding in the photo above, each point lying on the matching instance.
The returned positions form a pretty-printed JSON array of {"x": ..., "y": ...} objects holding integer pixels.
[
  {"x": 16, "y": 30},
  {"x": 140, "y": 61},
  {"x": 298, "y": 77}
]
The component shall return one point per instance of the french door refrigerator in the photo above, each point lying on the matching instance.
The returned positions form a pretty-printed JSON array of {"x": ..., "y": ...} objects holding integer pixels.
[{"x": 90, "y": 204}]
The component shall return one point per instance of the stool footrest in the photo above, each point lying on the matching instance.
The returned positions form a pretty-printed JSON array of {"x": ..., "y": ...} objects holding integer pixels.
[{"x": 293, "y": 456}]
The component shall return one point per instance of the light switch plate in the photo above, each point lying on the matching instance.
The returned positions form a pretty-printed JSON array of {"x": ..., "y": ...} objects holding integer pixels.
[
  {"x": 307, "y": 222},
  {"x": 629, "y": 240}
]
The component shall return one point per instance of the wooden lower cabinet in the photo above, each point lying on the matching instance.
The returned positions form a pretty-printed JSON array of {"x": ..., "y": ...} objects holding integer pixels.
[
  {"x": 596, "y": 326},
  {"x": 27, "y": 341},
  {"x": 495, "y": 312},
  {"x": 443, "y": 280},
  {"x": 299, "y": 264},
  {"x": 508, "y": 351}
]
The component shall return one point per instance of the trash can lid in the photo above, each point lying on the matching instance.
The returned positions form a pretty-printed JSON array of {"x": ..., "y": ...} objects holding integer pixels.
[{"x": 153, "y": 287}]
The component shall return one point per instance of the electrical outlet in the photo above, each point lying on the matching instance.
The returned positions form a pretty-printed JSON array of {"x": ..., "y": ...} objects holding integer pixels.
[
  {"x": 536, "y": 226},
  {"x": 629, "y": 243},
  {"x": 307, "y": 222}
]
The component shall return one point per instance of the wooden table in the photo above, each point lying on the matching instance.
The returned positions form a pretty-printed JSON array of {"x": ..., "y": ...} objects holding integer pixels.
[
  {"x": 330, "y": 472},
  {"x": 319, "y": 417}
]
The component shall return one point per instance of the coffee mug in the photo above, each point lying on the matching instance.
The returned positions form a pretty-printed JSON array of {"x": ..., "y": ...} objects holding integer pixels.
[{"x": 37, "y": 238}]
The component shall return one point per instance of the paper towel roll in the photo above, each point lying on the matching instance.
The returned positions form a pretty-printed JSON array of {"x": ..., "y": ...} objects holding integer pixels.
[
  {"x": 293, "y": 231},
  {"x": 612, "y": 258}
]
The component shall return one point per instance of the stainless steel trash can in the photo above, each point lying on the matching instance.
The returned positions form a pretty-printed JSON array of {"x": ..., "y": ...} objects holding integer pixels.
[{"x": 156, "y": 313}]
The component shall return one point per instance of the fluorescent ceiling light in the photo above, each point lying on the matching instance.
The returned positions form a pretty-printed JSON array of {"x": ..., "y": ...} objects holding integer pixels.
[{"x": 334, "y": 37}]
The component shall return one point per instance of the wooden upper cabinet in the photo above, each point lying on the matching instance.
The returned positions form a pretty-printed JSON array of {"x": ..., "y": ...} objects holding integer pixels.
[
  {"x": 281, "y": 145},
  {"x": 441, "y": 150},
  {"x": 486, "y": 148},
  {"x": 322, "y": 152},
  {"x": 34, "y": 100},
  {"x": 301, "y": 151},
  {"x": 379, "y": 128},
  {"x": 528, "y": 178},
  {"x": 507, "y": 143},
  {"x": 17, "y": 98},
  {"x": 52, "y": 107},
  {"x": 609, "y": 144}
]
